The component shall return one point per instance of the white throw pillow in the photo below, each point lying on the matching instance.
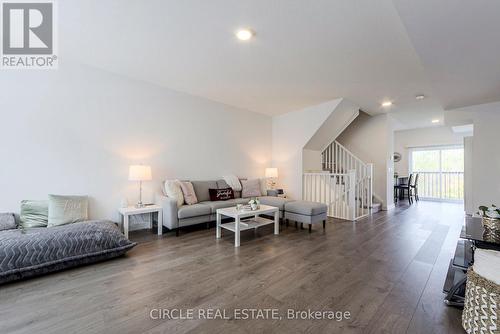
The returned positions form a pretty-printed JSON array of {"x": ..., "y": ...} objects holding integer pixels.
[
  {"x": 250, "y": 188},
  {"x": 67, "y": 209},
  {"x": 487, "y": 264},
  {"x": 173, "y": 190},
  {"x": 233, "y": 181},
  {"x": 263, "y": 186}
]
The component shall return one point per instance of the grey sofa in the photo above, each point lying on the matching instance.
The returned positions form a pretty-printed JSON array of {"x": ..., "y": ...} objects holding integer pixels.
[{"x": 205, "y": 210}]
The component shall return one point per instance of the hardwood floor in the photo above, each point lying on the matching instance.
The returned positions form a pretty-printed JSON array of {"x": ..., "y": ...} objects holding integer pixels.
[{"x": 387, "y": 271}]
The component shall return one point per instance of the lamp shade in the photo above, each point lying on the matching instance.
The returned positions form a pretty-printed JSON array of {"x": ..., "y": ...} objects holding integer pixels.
[
  {"x": 139, "y": 173},
  {"x": 272, "y": 172}
]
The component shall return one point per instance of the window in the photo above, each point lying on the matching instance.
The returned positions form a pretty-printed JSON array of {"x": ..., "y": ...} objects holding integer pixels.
[{"x": 441, "y": 172}]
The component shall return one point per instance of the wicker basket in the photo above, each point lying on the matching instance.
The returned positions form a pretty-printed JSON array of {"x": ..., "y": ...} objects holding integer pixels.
[
  {"x": 491, "y": 229},
  {"x": 482, "y": 300},
  {"x": 491, "y": 223}
]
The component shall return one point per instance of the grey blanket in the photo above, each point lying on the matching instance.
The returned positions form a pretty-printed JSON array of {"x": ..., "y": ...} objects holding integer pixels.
[{"x": 42, "y": 250}]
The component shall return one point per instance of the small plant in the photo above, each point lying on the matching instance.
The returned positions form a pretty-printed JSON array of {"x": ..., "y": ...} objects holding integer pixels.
[
  {"x": 490, "y": 212},
  {"x": 254, "y": 200}
]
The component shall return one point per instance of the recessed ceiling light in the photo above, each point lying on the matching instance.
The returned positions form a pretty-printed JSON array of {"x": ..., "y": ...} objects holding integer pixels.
[
  {"x": 435, "y": 121},
  {"x": 420, "y": 97},
  {"x": 386, "y": 104},
  {"x": 245, "y": 34}
]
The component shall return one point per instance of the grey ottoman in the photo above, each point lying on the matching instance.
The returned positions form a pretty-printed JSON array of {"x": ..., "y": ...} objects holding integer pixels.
[{"x": 305, "y": 212}]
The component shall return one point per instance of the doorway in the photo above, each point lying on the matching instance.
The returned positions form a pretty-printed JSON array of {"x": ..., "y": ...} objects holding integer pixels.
[{"x": 441, "y": 172}]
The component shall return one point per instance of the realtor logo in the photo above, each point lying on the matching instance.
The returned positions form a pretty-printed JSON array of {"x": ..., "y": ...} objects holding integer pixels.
[{"x": 28, "y": 35}]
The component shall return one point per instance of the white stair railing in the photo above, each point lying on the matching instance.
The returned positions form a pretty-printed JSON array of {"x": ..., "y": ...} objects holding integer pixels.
[
  {"x": 335, "y": 190},
  {"x": 345, "y": 185}
]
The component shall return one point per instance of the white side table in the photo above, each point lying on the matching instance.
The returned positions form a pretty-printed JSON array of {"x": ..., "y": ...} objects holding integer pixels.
[{"x": 132, "y": 210}]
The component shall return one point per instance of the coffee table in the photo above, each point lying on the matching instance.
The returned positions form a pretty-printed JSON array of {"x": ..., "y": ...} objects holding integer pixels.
[{"x": 238, "y": 225}]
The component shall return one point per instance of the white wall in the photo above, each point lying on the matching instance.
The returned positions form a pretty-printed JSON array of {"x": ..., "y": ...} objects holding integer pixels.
[
  {"x": 345, "y": 113},
  {"x": 370, "y": 138},
  {"x": 486, "y": 157},
  {"x": 291, "y": 132},
  {"x": 468, "y": 175},
  {"x": 77, "y": 129},
  {"x": 407, "y": 139},
  {"x": 311, "y": 161},
  {"x": 485, "y": 161}
]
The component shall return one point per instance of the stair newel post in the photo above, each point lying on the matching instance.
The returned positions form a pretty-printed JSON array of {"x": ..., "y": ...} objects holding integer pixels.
[
  {"x": 369, "y": 167},
  {"x": 352, "y": 194}
]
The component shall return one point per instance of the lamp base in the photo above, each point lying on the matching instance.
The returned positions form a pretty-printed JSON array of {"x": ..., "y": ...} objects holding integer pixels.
[
  {"x": 271, "y": 184},
  {"x": 140, "y": 204}
]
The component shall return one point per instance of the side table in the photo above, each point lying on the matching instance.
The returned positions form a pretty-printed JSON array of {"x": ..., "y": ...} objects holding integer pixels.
[{"x": 132, "y": 210}]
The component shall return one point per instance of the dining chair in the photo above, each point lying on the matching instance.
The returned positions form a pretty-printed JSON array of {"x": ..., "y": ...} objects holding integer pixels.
[
  {"x": 414, "y": 187},
  {"x": 407, "y": 187}
]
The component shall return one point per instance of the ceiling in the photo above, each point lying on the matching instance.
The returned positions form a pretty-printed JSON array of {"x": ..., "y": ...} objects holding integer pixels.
[{"x": 304, "y": 52}]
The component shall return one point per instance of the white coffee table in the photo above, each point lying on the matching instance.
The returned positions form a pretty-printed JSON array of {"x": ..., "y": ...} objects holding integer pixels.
[{"x": 237, "y": 226}]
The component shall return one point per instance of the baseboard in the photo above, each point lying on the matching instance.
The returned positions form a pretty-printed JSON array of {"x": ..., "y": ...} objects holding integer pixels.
[{"x": 389, "y": 207}]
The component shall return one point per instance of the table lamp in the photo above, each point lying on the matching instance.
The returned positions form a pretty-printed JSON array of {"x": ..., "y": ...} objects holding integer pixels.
[
  {"x": 139, "y": 173},
  {"x": 272, "y": 174}
]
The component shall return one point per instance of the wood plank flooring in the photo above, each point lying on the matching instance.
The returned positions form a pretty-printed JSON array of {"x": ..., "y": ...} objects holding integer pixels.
[{"x": 387, "y": 271}]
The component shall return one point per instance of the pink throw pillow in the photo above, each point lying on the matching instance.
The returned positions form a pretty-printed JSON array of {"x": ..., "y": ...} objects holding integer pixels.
[
  {"x": 188, "y": 192},
  {"x": 251, "y": 188}
]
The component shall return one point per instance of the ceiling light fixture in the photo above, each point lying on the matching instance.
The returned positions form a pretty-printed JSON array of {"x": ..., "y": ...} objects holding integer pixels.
[
  {"x": 245, "y": 34},
  {"x": 420, "y": 97},
  {"x": 435, "y": 121},
  {"x": 386, "y": 104}
]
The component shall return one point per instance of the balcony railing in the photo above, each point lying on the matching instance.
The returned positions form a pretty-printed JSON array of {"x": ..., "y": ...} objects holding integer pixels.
[{"x": 441, "y": 185}]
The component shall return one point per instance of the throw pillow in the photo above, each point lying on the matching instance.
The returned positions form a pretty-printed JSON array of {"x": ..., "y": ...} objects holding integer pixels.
[
  {"x": 67, "y": 209},
  {"x": 233, "y": 182},
  {"x": 188, "y": 193},
  {"x": 251, "y": 188},
  {"x": 263, "y": 186},
  {"x": 34, "y": 214},
  {"x": 7, "y": 221},
  {"x": 221, "y": 194},
  {"x": 173, "y": 190}
]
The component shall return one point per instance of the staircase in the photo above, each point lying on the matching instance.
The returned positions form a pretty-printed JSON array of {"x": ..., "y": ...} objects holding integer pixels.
[{"x": 345, "y": 184}]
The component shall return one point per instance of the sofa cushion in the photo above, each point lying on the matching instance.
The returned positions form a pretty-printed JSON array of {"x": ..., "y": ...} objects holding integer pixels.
[
  {"x": 214, "y": 205},
  {"x": 195, "y": 210},
  {"x": 222, "y": 184},
  {"x": 34, "y": 213},
  {"x": 278, "y": 202},
  {"x": 241, "y": 200},
  {"x": 305, "y": 208},
  {"x": 201, "y": 189}
]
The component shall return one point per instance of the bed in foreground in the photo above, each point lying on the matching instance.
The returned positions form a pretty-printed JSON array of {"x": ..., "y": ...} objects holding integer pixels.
[{"x": 38, "y": 251}]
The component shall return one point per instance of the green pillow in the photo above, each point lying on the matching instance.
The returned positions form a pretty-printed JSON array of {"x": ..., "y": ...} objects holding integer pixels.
[
  {"x": 67, "y": 209},
  {"x": 34, "y": 213}
]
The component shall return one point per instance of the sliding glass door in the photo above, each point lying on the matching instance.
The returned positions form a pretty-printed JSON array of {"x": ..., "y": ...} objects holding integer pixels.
[{"x": 441, "y": 172}]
